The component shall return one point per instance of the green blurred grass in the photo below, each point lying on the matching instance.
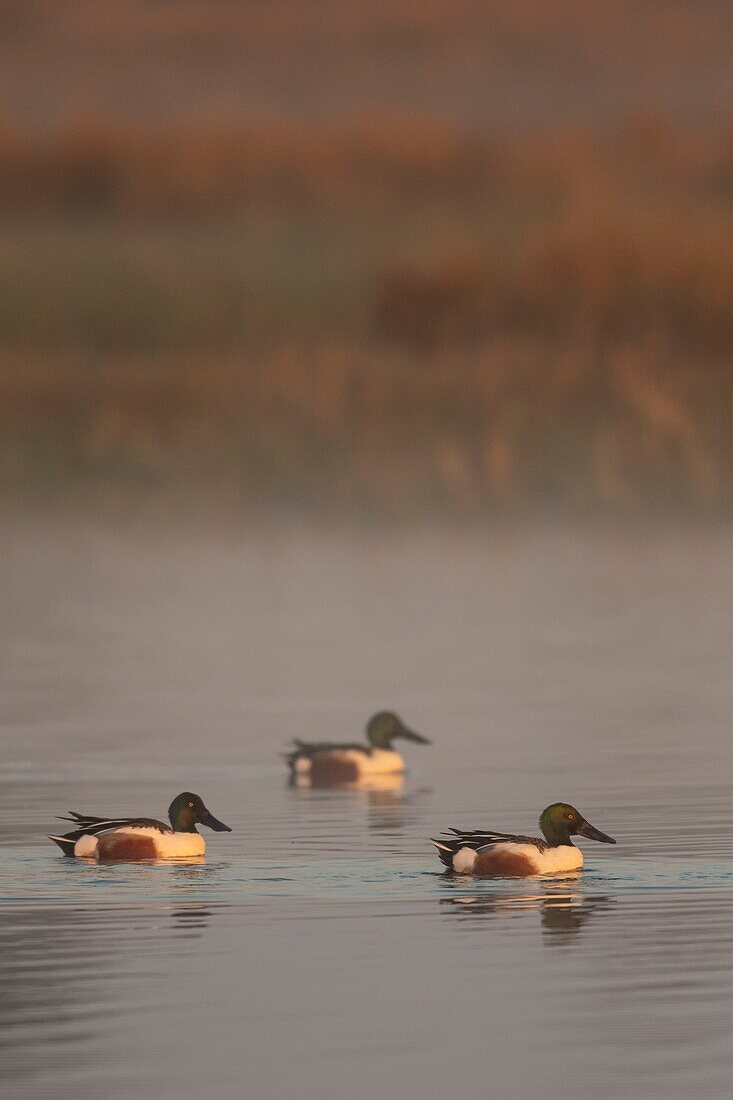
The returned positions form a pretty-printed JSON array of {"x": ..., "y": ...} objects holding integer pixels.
[{"x": 116, "y": 287}]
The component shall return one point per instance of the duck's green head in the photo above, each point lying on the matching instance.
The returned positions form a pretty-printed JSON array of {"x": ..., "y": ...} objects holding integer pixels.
[
  {"x": 187, "y": 811},
  {"x": 384, "y": 727},
  {"x": 560, "y": 821}
]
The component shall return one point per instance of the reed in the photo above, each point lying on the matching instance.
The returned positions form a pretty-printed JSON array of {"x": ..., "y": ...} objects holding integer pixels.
[{"x": 506, "y": 424}]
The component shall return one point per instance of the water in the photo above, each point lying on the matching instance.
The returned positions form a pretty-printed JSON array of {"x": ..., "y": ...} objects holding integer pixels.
[{"x": 318, "y": 951}]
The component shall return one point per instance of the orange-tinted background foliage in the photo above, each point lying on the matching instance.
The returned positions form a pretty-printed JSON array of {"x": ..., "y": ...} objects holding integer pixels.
[{"x": 406, "y": 257}]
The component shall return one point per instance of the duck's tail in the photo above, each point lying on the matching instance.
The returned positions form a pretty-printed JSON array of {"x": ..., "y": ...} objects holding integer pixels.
[
  {"x": 67, "y": 844},
  {"x": 445, "y": 853}
]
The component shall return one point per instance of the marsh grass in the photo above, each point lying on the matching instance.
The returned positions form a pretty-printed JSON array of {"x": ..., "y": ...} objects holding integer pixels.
[
  {"x": 387, "y": 314},
  {"x": 379, "y": 431}
]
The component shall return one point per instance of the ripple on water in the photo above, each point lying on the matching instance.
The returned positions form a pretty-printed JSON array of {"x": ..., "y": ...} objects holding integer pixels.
[{"x": 32, "y": 875}]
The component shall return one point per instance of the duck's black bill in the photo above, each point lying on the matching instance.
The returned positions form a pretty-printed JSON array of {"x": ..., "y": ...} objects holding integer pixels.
[
  {"x": 410, "y": 735},
  {"x": 211, "y": 822},
  {"x": 587, "y": 830}
]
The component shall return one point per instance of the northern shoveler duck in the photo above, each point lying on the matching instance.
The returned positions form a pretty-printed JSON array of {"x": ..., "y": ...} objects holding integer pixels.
[
  {"x": 141, "y": 837},
  {"x": 504, "y": 855},
  {"x": 335, "y": 762}
]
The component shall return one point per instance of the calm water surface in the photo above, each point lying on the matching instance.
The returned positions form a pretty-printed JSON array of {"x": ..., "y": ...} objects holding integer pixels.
[{"x": 318, "y": 951}]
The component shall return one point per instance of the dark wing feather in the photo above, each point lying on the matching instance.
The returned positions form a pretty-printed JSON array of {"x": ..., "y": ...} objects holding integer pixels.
[
  {"x": 312, "y": 748},
  {"x": 92, "y": 825},
  {"x": 478, "y": 839},
  {"x": 315, "y": 748}
]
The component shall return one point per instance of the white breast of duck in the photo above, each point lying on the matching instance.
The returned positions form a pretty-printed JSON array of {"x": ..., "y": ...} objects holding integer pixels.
[
  {"x": 139, "y": 842},
  {"x": 376, "y": 762}
]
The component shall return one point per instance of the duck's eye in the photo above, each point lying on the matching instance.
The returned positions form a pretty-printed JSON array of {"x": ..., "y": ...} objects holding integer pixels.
[
  {"x": 571, "y": 817},
  {"x": 190, "y": 805}
]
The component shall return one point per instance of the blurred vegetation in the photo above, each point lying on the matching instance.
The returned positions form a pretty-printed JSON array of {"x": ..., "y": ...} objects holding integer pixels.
[{"x": 381, "y": 313}]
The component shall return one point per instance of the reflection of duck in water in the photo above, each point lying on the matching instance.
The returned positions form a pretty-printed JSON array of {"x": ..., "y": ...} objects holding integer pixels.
[
  {"x": 142, "y": 837},
  {"x": 391, "y": 811},
  {"x": 507, "y": 855},
  {"x": 329, "y": 762},
  {"x": 567, "y": 919},
  {"x": 383, "y": 797},
  {"x": 192, "y": 917},
  {"x": 562, "y": 914}
]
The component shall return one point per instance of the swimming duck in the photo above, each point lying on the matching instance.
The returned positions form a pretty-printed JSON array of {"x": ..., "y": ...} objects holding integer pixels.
[
  {"x": 141, "y": 837},
  {"x": 335, "y": 762},
  {"x": 505, "y": 855}
]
